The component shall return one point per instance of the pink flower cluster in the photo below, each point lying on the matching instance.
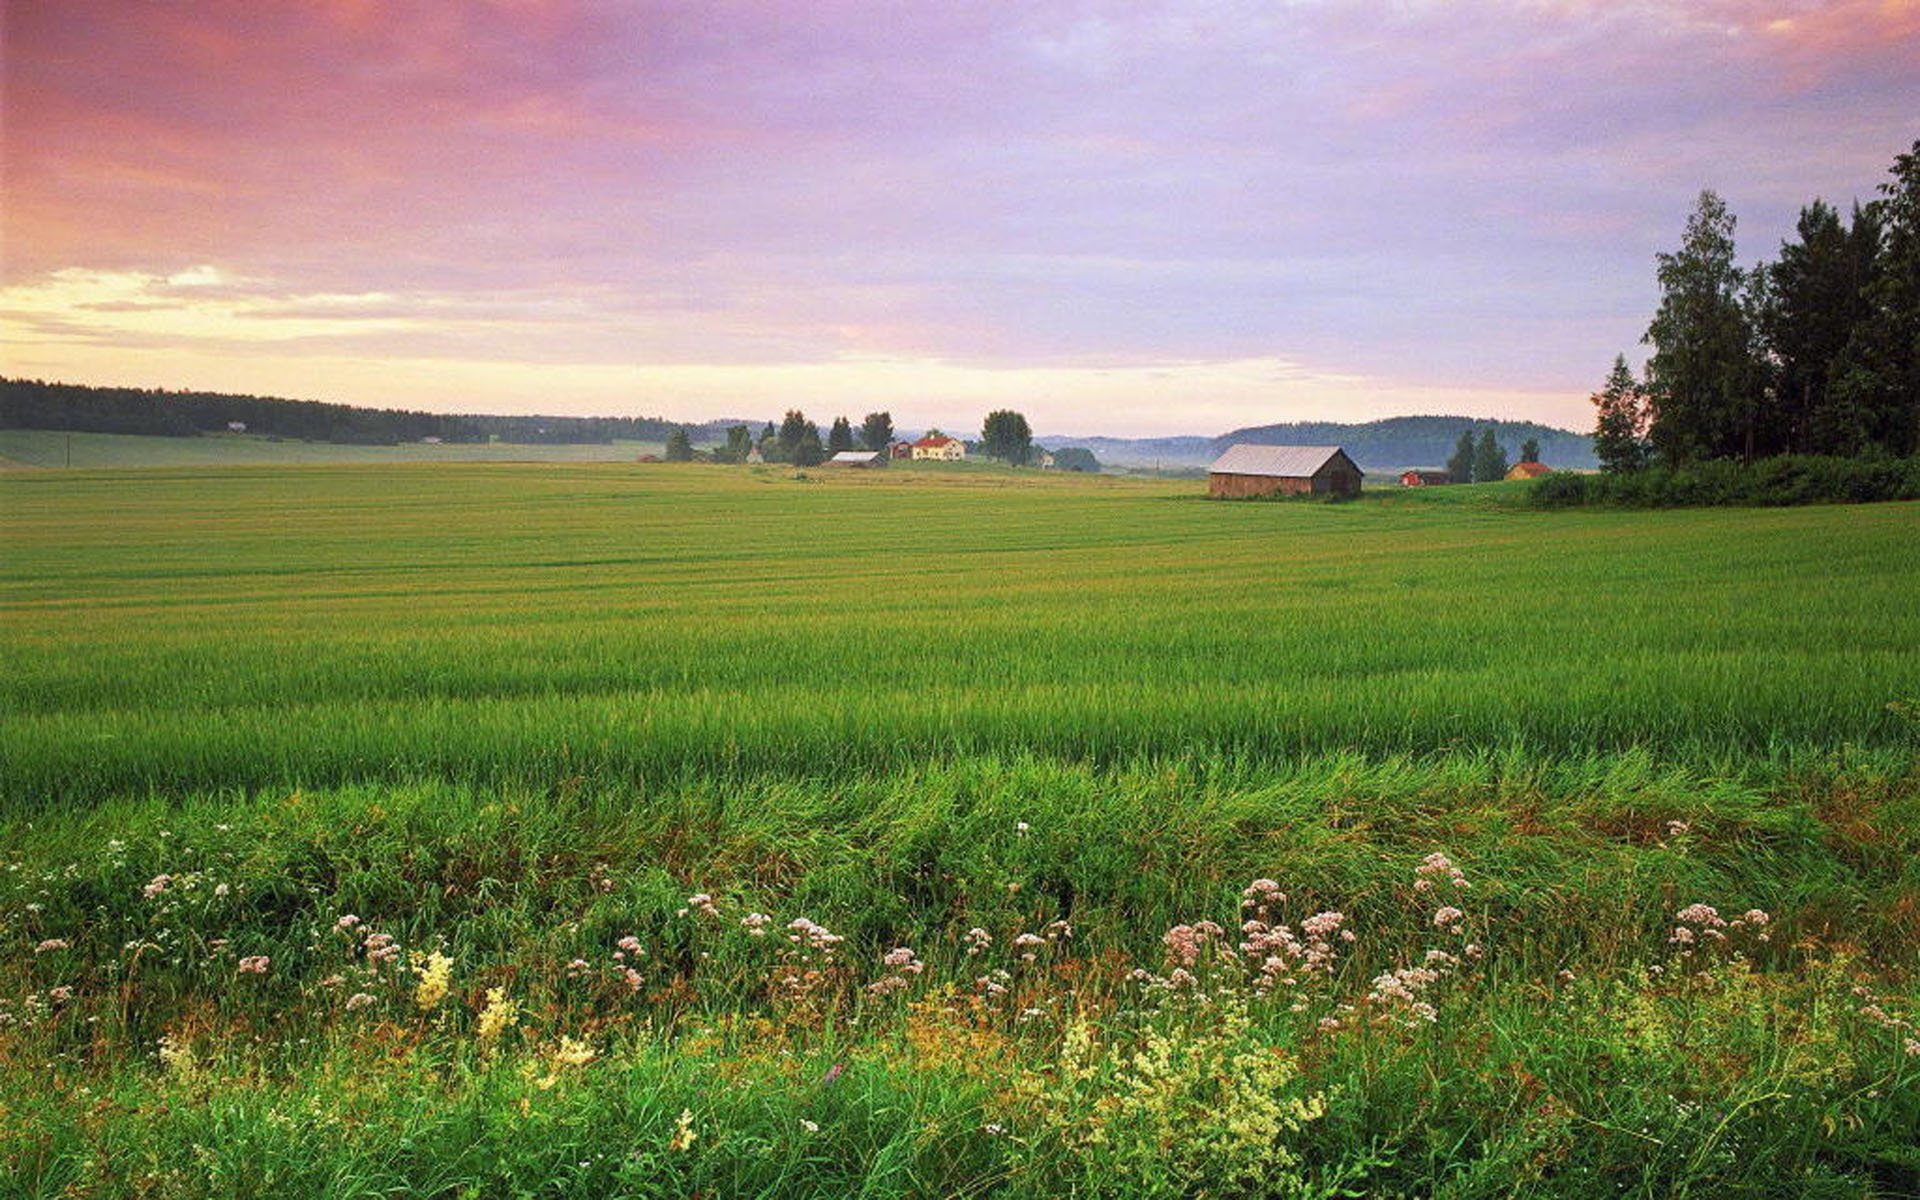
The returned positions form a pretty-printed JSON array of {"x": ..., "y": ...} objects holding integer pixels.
[
  {"x": 701, "y": 903},
  {"x": 1437, "y": 868},
  {"x": 50, "y": 945},
  {"x": 1186, "y": 943},
  {"x": 1702, "y": 924},
  {"x": 755, "y": 923},
  {"x": 156, "y": 886},
  {"x": 380, "y": 948},
  {"x": 978, "y": 941},
  {"x": 254, "y": 964},
  {"x": 902, "y": 965}
]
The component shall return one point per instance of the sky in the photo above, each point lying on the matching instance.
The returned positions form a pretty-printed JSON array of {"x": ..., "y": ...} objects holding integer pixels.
[{"x": 1117, "y": 218}]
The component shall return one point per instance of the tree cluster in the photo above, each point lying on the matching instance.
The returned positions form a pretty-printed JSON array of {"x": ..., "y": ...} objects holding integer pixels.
[
  {"x": 1816, "y": 353},
  {"x": 1482, "y": 459}
]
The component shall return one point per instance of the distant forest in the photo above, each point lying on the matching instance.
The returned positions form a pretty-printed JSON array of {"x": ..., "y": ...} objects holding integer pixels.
[
  {"x": 1398, "y": 442},
  {"x": 34, "y": 404}
]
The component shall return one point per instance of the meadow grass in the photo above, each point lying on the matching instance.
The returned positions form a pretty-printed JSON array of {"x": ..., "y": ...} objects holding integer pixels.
[{"x": 654, "y": 831}]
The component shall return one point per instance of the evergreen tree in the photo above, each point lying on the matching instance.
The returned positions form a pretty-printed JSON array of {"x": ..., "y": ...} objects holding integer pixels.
[
  {"x": 808, "y": 452},
  {"x": 876, "y": 432},
  {"x": 1530, "y": 450},
  {"x": 1620, "y": 430},
  {"x": 679, "y": 445},
  {"x": 1460, "y": 466},
  {"x": 1007, "y": 436},
  {"x": 840, "y": 437},
  {"x": 794, "y": 428},
  {"x": 1875, "y": 384},
  {"x": 1819, "y": 295},
  {"x": 1700, "y": 376},
  {"x": 1489, "y": 459}
]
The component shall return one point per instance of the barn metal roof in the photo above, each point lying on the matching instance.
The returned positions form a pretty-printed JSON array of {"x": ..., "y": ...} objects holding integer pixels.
[
  {"x": 1292, "y": 462},
  {"x": 857, "y": 456}
]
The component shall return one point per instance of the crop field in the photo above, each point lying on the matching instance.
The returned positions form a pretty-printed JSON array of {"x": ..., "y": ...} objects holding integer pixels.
[
  {"x": 81, "y": 451},
  {"x": 596, "y": 829}
]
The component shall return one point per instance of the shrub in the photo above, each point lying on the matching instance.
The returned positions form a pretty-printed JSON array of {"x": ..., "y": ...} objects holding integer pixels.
[{"x": 1769, "y": 482}]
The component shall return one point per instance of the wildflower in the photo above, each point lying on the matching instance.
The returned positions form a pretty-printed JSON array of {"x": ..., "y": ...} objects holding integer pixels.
[
  {"x": 809, "y": 1126},
  {"x": 633, "y": 979},
  {"x": 1028, "y": 944},
  {"x": 994, "y": 1129},
  {"x": 157, "y": 885},
  {"x": 254, "y": 964},
  {"x": 436, "y": 974},
  {"x": 60, "y": 995},
  {"x": 500, "y": 1015},
  {"x": 50, "y": 945},
  {"x": 977, "y": 940},
  {"x": 755, "y": 923},
  {"x": 346, "y": 922},
  {"x": 630, "y": 945},
  {"x": 579, "y": 968},
  {"x": 358, "y": 1000},
  {"x": 833, "y": 1073},
  {"x": 1448, "y": 919},
  {"x": 813, "y": 936},
  {"x": 1329, "y": 1024},
  {"x": 701, "y": 903},
  {"x": 683, "y": 1134},
  {"x": 221, "y": 889},
  {"x": 1022, "y": 828},
  {"x": 380, "y": 948},
  {"x": 1677, "y": 829},
  {"x": 1058, "y": 931},
  {"x": 571, "y": 1053}
]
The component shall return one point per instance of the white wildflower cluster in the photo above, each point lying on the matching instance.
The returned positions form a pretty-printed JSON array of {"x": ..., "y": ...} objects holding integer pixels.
[
  {"x": 1404, "y": 995},
  {"x": 1701, "y": 925},
  {"x": 702, "y": 903}
]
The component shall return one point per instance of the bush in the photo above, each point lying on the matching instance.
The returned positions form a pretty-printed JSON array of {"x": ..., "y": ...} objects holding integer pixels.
[{"x": 1769, "y": 482}]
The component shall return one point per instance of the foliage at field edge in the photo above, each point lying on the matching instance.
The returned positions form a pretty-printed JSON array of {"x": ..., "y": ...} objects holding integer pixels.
[{"x": 1007, "y": 977}]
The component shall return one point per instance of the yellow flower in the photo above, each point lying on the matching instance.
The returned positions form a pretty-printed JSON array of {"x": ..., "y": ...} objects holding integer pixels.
[
  {"x": 683, "y": 1134},
  {"x": 500, "y": 1015},
  {"x": 436, "y": 973}
]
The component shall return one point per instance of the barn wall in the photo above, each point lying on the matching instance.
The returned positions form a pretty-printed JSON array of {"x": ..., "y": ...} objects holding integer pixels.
[
  {"x": 1241, "y": 487},
  {"x": 1336, "y": 479}
]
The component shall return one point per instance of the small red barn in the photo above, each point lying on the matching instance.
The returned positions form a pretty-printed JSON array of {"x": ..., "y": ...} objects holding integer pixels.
[{"x": 1424, "y": 478}]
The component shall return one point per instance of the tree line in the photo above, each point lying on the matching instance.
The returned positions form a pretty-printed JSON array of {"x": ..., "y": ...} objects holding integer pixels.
[
  {"x": 1005, "y": 435},
  {"x": 38, "y": 404},
  {"x": 1816, "y": 353}
]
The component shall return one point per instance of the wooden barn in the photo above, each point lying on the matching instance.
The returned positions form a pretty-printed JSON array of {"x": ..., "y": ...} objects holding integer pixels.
[
  {"x": 1529, "y": 470},
  {"x": 1424, "y": 478},
  {"x": 1247, "y": 470}
]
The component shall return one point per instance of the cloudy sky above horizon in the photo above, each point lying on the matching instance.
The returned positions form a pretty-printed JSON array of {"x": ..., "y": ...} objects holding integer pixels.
[{"x": 1118, "y": 218}]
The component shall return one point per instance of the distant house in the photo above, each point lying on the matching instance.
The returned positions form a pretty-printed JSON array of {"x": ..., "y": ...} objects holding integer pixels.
[
  {"x": 1424, "y": 478},
  {"x": 754, "y": 457},
  {"x": 1247, "y": 470},
  {"x": 236, "y": 426},
  {"x": 940, "y": 448},
  {"x": 429, "y": 441},
  {"x": 1043, "y": 460},
  {"x": 1529, "y": 470},
  {"x": 859, "y": 460}
]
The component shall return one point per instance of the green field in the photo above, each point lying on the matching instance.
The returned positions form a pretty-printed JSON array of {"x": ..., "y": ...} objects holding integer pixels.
[
  {"x": 517, "y": 713},
  {"x": 81, "y": 451}
]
